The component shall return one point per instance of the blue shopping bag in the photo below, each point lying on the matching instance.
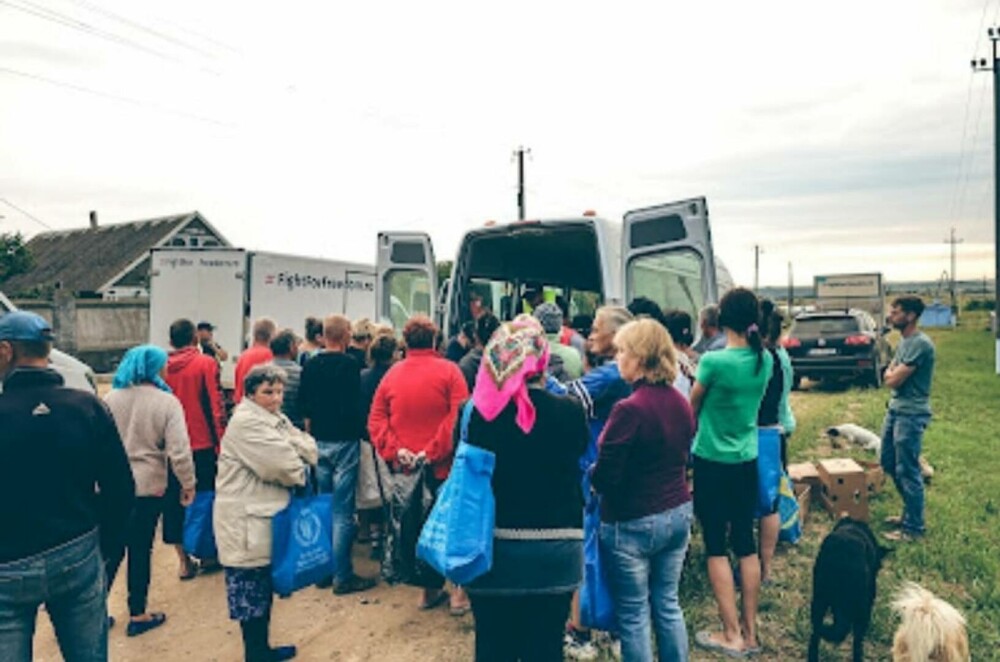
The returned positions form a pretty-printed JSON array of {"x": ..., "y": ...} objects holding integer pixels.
[
  {"x": 457, "y": 538},
  {"x": 768, "y": 469},
  {"x": 597, "y": 607},
  {"x": 788, "y": 511},
  {"x": 302, "y": 543},
  {"x": 199, "y": 537}
]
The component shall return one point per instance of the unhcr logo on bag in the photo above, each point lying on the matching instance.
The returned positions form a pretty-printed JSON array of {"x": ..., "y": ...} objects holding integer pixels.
[{"x": 307, "y": 528}]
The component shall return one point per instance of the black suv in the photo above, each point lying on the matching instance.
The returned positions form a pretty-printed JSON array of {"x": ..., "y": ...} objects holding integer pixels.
[{"x": 838, "y": 345}]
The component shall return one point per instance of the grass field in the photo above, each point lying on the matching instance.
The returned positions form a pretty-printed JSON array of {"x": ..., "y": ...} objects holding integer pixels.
[{"x": 960, "y": 557}]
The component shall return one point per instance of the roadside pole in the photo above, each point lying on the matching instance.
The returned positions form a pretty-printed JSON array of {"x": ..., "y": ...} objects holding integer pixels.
[{"x": 993, "y": 65}]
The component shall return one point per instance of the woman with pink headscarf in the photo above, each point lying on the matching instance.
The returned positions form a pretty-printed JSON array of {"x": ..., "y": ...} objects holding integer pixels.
[{"x": 520, "y": 605}]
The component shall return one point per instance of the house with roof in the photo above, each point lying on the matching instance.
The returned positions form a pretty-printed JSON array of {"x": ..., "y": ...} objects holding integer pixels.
[{"x": 107, "y": 261}]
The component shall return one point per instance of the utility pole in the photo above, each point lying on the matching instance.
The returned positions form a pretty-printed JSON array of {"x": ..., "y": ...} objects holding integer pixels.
[
  {"x": 954, "y": 243},
  {"x": 993, "y": 65},
  {"x": 757, "y": 250},
  {"x": 521, "y": 206}
]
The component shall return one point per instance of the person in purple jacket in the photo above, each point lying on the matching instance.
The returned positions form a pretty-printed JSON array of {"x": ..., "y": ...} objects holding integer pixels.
[{"x": 646, "y": 510}]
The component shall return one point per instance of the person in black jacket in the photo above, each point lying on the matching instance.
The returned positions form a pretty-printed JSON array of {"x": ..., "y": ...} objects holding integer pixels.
[
  {"x": 521, "y": 604},
  {"x": 486, "y": 325},
  {"x": 66, "y": 492}
]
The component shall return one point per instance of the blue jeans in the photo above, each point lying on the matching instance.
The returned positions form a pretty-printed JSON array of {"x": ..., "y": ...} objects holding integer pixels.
[
  {"x": 69, "y": 581},
  {"x": 645, "y": 558},
  {"x": 337, "y": 474},
  {"x": 902, "y": 438}
]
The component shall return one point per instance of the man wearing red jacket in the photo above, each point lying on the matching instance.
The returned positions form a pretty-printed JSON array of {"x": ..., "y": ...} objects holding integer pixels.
[
  {"x": 259, "y": 353},
  {"x": 194, "y": 379}
]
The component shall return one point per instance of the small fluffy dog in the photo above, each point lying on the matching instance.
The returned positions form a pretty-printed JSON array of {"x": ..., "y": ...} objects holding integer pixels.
[
  {"x": 857, "y": 435},
  {"x": 844, "y": 586},
  {"x": 931, "y": 629}
]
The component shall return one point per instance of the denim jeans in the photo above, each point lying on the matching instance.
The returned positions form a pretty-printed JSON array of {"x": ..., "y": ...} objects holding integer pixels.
[
  {"x": 69, "y": 581},
  {"x": 645, "y": 557},
  {"x": 902, "y": 439},
  {"x": 337, "y": 474}
]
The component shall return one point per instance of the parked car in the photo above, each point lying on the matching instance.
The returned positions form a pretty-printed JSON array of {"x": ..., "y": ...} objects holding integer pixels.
[
  {"x": 847, "y": 345},
  {"x": 75, "y": 373}
]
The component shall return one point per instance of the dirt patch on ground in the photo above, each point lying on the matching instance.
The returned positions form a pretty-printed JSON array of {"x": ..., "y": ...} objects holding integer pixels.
[{"x": 382, "y": 624}]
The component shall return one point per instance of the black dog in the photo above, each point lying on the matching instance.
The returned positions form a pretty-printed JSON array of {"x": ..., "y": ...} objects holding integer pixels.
[{"x": 844, "y": 584}]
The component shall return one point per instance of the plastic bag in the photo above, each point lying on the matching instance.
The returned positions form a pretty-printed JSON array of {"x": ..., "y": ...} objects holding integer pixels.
[
  {"x": 768, "y": 469},
  {"x": 457, "y": 539},
  {"x": 597, "y": 607},
  {"x": 788, "y": 512},
  {"x": 199, "y": 537},
  {"x": 302, "y": 543},
  {"x": 371, "y": 469},
  {"x": 409, "y": 499}
]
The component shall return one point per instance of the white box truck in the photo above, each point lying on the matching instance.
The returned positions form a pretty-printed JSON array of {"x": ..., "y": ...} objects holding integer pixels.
[{"x": 231, "y": 287}]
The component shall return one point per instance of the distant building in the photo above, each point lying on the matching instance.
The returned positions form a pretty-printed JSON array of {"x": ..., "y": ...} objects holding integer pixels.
[
  {"x": 937, "y": 314},
  {"x": 107, "y": 261}
]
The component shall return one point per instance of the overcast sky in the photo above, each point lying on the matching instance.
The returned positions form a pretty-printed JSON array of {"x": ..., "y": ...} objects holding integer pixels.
[{"x": 841, "y": 137}]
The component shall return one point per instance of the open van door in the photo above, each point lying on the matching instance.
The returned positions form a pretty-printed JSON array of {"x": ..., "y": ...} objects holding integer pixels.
[
  {"x": 406, "y": 282},
  {"x": 667, "y": 256}
]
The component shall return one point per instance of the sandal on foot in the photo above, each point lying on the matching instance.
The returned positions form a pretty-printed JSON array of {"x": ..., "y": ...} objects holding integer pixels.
[
  {"x": 438, "y": 600},
  {"x": 703, "y": 639},
  {"x": 190, "y": 570},
  {"x": 460, "y": 610},
  {"x": 893, "y": 520}
]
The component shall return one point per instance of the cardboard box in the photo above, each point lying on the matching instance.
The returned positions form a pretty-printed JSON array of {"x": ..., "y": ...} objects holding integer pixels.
[
  {"x": 805, "y": 473},
  {"x": 874, "y": 477},
  {"x": 844, "y": 488},
  {"x": 803, "y": 493}
]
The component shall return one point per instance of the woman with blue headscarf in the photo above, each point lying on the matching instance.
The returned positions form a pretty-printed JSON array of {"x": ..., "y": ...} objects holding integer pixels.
[{"x": 151, "y": 423}]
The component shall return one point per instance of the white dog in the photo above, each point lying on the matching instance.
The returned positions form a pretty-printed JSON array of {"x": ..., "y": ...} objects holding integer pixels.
[
  {"x": 857, "y": 435},
  {"x": 931, "y": 629}
]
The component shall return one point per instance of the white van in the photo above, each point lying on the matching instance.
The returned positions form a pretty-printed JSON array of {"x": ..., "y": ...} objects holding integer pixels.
[
  {"x": 75, "y": 373},
  {"x": 663, "y": 253}
]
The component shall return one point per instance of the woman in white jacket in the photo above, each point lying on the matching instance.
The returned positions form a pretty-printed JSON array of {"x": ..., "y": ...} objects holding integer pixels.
[{"x": 263, "y": 457}]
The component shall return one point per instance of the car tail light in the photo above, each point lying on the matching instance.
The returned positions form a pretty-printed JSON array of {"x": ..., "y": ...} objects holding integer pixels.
[
  {"x": 858, "y": 340},
  {"x": 790, "y": 343}
]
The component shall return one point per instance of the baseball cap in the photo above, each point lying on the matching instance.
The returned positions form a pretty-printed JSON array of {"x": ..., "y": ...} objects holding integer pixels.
[
  {"x": 23, "y": 326},
  {"x": 205, "y": 326}
]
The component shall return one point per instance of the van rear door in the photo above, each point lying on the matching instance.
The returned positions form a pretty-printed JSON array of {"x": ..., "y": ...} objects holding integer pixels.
[
  {"x": 667, "y": 256},
  {"x": 406, "y": 282}
]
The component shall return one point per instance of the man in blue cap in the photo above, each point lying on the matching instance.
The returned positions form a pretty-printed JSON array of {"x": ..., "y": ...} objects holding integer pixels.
[{"x": 66, "y": 491}]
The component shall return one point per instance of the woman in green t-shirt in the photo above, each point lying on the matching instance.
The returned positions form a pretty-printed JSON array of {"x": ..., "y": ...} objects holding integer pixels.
[{"x": 725, "y": 397}]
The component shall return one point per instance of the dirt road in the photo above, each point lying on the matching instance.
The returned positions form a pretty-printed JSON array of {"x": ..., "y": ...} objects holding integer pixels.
[{"x": 382, "y": 624}]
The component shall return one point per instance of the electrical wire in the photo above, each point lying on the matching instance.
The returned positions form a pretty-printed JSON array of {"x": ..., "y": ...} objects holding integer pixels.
[
  {"x": 115, "y": 97},
  {"x": 31, "y": 216}
]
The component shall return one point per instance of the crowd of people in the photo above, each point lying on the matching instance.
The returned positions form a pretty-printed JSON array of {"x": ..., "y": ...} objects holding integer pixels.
[{"x": 627, "y": 416}]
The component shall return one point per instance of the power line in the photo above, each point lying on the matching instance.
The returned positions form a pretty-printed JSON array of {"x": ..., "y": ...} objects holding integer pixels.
[
  {"x": 68, "y": 21},
  {"x": 143, "y": 28},
  {"x": 115, "y": 97},
  {"x": 959, "y": 191},
  {"x": 31, "y": 216}
]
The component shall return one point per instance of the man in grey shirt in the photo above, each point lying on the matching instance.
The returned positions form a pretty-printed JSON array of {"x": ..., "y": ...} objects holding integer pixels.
[
  {"x": 909, "y": 376},
  {"x": 285, "y": 347},
  {"x": 712, "y": 337}
]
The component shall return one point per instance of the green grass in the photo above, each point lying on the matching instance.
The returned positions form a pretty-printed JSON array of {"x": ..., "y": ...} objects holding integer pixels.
[{"x": 960, "y": 558}]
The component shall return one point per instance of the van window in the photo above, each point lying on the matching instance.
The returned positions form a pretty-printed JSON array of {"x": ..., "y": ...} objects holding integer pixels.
[
  {"x": 498, "y": 297},
  {"x": 672, "y": 279},
  {"x": 410, "y": 294}
]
